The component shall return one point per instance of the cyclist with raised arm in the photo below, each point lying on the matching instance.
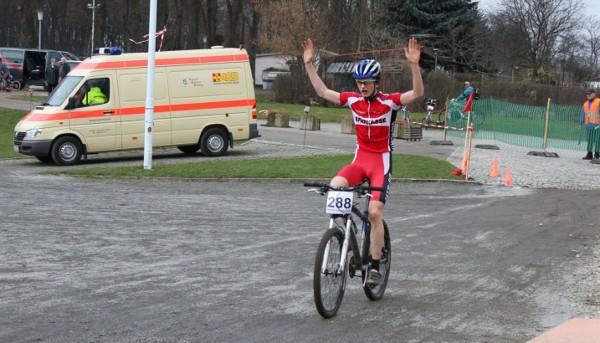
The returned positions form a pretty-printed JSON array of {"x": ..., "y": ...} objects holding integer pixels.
[{"x": 374, "y": 115}]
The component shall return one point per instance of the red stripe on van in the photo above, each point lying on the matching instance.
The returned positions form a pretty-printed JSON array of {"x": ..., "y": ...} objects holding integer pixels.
[
  {"x": 90, "y": 64},
  {"x": 212, "y": 105},
  {"x": 41, "y": 117},
  {"x": 142, "y": 110}
]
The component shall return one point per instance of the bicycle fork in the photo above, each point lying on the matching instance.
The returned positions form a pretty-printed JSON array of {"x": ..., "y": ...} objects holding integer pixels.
[{"x": 348, "y": 234}]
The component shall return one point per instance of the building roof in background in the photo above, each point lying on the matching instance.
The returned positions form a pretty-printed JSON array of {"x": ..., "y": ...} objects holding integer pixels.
[{"x": 340, "y": 67}]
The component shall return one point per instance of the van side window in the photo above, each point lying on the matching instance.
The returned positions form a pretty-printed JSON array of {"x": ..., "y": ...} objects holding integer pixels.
[
  {"x": 13, "y": 56},
  {"x": 93, "y": 92}
]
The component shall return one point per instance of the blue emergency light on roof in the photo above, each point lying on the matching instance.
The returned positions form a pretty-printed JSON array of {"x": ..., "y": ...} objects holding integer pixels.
[{"x": 108, "y": 51}]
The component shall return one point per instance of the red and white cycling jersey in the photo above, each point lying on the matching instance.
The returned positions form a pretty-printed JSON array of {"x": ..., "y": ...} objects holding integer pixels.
[{"x": 373, "y": 119}]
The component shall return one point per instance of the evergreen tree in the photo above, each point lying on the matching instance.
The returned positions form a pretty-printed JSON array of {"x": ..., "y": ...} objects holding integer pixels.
[{"x": 450, "y": 26}]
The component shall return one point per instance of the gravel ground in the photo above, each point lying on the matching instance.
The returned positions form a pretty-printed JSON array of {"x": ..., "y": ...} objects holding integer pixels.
[{"x": 528, "y": 173}]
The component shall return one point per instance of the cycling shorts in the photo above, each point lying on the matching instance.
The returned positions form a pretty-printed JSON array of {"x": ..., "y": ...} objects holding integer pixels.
[{"x": 375, "y": 166}]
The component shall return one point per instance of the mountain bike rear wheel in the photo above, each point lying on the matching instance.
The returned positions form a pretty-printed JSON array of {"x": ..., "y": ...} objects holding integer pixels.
[
  {"x": 375, "y": 293},
  {"x": 329, "y": 280}
]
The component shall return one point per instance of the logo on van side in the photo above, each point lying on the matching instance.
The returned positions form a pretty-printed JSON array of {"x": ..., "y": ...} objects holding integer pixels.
[
  {"x": 226, "y": 77},
  {"x": 191, "y": 81}
]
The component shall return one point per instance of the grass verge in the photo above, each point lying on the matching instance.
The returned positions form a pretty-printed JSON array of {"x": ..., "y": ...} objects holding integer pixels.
[
  {"x": 8, "y": 119},
  {"x": 318, "y": 167}
]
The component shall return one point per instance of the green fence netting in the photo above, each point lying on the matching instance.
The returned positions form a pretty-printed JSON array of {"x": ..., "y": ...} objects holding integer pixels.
[{"x": 536, "y": 127}]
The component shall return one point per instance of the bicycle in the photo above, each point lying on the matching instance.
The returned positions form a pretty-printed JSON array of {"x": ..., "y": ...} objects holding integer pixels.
[
  {"x": 405, "y": 115},
  {"x": 332, "y": 265},
  {"x": 8, "y": 84},
  {"x": 430, "y": 106}
]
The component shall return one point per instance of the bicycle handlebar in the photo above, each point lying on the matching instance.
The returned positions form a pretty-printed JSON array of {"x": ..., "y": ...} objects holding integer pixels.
[{"x": 325, "y": 187}]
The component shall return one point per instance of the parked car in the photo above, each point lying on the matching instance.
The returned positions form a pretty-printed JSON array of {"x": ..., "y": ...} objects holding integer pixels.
[{"x": 28, "y": 66}]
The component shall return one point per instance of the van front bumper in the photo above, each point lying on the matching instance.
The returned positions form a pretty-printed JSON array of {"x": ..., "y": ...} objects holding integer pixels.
[{"x": 34, "y": 148}]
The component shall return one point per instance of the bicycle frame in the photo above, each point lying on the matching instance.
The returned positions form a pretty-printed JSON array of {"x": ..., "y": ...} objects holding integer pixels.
[{"x": 359, "y": 250}]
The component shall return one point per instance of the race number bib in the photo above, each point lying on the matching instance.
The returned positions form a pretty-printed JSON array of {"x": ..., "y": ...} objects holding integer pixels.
[{"x": 338, "y": 202}]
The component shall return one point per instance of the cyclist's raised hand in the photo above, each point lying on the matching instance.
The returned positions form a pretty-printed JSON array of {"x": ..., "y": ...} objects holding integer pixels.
[
  {"x": 413, "y": 51},
  {"x": 320, "y": 87},
  {"x": 309, "y": 51}
]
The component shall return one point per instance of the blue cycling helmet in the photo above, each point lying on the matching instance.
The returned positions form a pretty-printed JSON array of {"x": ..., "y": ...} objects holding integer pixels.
[{"x": 367, "y": 69}]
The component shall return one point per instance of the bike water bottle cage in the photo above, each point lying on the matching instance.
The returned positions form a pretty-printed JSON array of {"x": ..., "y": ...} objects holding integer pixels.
[{"x": 367, "y": 69}]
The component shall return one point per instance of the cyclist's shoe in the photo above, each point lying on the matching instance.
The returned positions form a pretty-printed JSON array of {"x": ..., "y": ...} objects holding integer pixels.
[{"x": 374, "y": 278}]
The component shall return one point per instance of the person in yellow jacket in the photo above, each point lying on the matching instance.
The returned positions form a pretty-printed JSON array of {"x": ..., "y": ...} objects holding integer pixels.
[
  {"x": 94, "y": 97},
  {"x": 590, "y": 117}
]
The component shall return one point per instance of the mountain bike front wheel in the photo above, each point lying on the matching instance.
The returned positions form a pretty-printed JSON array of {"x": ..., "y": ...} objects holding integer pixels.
[
  {"x": 329, "y": 278},
  {"x": 375, "y": 293}
]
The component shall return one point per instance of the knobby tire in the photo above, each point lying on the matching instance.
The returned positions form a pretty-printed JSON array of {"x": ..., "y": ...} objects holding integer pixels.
[
  {"x": 376, "y": 293},
  {"x": 329, "y": 287}
]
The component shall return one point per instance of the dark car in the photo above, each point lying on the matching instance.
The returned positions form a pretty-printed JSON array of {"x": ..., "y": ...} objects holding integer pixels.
[{"x": 28, "y": 66}]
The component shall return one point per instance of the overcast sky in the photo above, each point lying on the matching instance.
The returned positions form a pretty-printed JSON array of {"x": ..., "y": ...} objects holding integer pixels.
[{"x": 592, "y": 7}]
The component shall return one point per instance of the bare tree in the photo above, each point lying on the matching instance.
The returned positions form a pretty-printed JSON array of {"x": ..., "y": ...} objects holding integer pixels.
[
  {"x": 209, "y": 14},
  {"x": 592, "y": 44},
  {"x": 544, "y": 27},
  {"x": 287, "y": 23}
]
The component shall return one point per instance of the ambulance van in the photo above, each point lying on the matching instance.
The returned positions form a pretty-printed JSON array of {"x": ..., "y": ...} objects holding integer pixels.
[{"x": 203, "y": 100}]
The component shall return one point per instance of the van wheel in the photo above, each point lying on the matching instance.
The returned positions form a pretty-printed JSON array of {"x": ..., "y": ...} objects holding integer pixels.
[
  {"x": 214, "y": 142},
  {"x": 66, "y": 151},
  {"x": 189, "y": 149},
  {"x": 44, "y": 159}
]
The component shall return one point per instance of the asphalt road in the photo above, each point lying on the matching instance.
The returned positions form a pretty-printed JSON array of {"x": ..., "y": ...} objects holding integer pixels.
[{"x": 194, "y": 261}]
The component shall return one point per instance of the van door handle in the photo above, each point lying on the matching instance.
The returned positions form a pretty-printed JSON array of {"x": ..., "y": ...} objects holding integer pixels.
[{"x": 107, "y": 113}]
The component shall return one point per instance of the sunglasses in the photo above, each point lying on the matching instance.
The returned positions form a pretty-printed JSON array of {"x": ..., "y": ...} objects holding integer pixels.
[{"x": 364, "y": 82}]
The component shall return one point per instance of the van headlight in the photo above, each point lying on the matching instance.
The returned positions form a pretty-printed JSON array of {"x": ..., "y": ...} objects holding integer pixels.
[{"x": 33, "y": 133}]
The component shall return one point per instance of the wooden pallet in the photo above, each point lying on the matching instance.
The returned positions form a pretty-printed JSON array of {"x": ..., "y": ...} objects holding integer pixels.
[{"x": 408, "y": 131}]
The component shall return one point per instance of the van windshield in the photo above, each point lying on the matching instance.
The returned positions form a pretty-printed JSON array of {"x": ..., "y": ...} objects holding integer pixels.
[
  {"x": 61, "y": 93},
  {"x": 69, "y": 56}
]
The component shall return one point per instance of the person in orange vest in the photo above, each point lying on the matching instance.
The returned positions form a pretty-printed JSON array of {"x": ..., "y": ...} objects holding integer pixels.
[{"x": 590, "y": 117}]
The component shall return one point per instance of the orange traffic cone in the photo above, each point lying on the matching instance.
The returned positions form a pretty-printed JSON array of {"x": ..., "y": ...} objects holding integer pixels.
[
  {"x": 507, "y": 178},
  {"x": 494, "y": 170}
]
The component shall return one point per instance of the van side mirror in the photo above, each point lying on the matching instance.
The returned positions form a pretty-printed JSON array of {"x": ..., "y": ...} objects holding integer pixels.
[{"x": 71, "y": 103}]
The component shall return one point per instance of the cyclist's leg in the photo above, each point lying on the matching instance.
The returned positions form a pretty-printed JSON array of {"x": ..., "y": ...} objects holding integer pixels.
[
  {"x": 339, "y": 181},
  {"x": 380, "y": 175},
  {"x": 352, "y": 174},
  {"x": 375, "y": 292},
  {"x": 377, "y": 234}
]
